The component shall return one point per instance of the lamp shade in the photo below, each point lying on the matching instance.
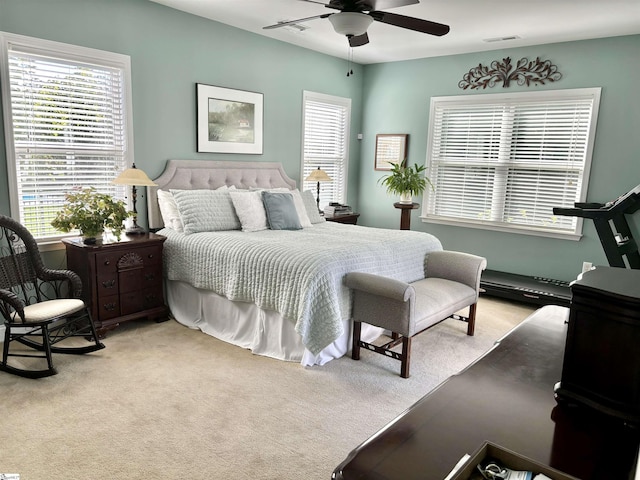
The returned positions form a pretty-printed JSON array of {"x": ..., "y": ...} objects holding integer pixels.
[
  {"x": 133, "y": 176},
  {"x": 318, "y": 175},
  {"x": 350, "y": 23}
]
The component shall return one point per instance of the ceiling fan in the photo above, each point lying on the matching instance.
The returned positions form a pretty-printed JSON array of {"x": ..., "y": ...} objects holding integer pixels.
[{"x": 355, "y": 16}]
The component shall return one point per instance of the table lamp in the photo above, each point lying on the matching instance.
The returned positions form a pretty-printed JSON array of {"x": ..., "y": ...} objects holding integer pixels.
[
  {"x": 318, "y": 176},
  {"x": 135, "y": 177}
]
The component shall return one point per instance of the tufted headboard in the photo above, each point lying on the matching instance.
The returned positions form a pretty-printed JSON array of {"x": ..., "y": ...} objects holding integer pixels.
[{"x": 211, "y": 174}]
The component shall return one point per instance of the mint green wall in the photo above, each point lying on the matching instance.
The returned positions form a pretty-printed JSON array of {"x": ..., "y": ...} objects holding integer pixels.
[
  {"x": 396, "y": 100},
  {"x": 170, "y": 52}
]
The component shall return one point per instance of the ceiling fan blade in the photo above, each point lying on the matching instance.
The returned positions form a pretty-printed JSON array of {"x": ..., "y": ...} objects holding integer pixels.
[
  {"x": 359, "y": 40},
  {"x": 387, "y": 4},
  {"x": 300, "y": 20},
  {"x": 411, "y": 23},
  {"x": 337, "y": 4}
]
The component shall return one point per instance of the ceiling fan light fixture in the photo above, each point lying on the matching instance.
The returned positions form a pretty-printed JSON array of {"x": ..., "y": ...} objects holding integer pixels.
[{"x": 350, "y": 23}]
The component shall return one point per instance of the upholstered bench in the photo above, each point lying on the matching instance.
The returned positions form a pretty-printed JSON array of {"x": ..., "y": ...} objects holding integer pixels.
[{"x": 451, "y": 283}]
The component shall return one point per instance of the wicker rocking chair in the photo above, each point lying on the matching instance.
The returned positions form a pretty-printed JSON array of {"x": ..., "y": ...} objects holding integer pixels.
[{"x": 41, "y": 307}]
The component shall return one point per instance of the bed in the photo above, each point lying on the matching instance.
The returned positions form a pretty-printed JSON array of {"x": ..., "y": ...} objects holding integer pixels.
[{"x": 277, "y": 291}]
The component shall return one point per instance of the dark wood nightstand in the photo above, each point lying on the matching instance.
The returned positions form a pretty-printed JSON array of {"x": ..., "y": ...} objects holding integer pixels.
[
  {"x": 122, "y": 280},
  {"x": 351, "y": 218}
]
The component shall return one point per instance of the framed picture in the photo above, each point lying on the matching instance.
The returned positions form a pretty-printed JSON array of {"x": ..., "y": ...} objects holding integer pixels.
[
  {"x": 229, "y": 121},
  {"x": 391, "y": 148}
]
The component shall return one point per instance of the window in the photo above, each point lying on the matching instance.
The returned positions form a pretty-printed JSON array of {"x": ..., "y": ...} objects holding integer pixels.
[
  {"x": 503, "y": 161},
  {"x": 67, "y": 124},
  {"x": 325, "y": 144}
]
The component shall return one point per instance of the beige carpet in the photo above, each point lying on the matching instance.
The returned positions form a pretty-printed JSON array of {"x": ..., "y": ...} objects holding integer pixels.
[{"x": 163, "y": 401}]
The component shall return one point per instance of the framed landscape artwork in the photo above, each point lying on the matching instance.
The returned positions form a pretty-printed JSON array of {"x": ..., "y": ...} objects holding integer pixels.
[
  {"x": 229, "y": 121},
  {"x": 391, "y": 148}
]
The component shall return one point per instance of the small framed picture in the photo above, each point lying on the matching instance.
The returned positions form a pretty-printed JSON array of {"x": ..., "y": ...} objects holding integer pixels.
[
  {"x": 229, "y": 121},
  {"x": 391, "y": 148}
]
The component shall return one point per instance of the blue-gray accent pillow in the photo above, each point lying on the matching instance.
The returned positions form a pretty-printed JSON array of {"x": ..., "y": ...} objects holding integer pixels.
[{"x": 281, "y": 211}]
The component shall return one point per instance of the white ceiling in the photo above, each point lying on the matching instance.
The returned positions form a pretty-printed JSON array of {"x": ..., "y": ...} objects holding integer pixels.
[{"x": 472, "y": 22}]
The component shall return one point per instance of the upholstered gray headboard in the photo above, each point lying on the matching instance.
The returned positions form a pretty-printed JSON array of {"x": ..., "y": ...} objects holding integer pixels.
[{"x": 211, "y": 174}]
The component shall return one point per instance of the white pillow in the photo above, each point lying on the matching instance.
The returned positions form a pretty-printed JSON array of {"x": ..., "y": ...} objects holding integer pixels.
[
  {"x": 169, "y": 211},
  {"x": 311, "y": 207},
  {"x": 206, "y": 210},
  {"x": 301, "y": 209},
  {"x": 250, "y": 210}
]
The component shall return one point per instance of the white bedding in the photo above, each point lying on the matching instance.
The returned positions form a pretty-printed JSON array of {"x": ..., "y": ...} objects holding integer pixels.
[{"x": 297, "y": 275}]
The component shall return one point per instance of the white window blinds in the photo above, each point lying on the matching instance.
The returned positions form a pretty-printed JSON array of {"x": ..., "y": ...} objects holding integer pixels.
[
  {"x": 504, "y": 161},
  {"x": 68, "y": 123},
  {"x": 326, "y": 144}
]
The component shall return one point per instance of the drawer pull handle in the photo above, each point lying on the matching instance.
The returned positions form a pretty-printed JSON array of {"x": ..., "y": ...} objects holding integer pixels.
[
  {"x": 109, "y": 307},
  {"x": 151, "y": 255},
  {"x": 109, "y": 283},
  {"x": 107, "y": 262},
  {"x": 149, "y": 276}
]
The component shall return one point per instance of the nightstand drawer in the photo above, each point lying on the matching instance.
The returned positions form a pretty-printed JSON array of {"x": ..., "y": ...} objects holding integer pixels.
[
  {"x": 130, "y": 280},
  {"x": 108, "y": 307},
  {"x": 151, "y": 255},
  {"x": 107, "y": 284},
  {"x": 107, "y": 262},
  {"x": 131, "y": 302},
  {"x": 152, "y": 277},
  {"x": 152, "y": 297}
]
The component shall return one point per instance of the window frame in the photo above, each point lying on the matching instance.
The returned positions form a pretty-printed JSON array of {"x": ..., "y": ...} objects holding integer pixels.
[
  {"x": 70, "y": 53},
  {"x": 517, "y": 98},
  {"x": 340, "y": 193}
]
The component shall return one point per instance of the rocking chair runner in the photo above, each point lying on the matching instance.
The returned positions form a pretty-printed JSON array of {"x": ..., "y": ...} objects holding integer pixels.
[{"x": 40, "y": 306}]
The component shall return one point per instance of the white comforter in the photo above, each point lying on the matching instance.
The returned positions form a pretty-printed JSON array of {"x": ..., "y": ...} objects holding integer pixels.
[{"x": 296, "y": 273}]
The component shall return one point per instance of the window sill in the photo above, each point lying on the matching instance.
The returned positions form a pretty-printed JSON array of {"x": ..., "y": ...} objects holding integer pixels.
[
  {"x": 50, "y": 245},
  {"x": 500, "y": 228}
]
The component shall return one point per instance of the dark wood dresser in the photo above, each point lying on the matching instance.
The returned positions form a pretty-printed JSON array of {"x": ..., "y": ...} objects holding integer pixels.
[
  {"x": 601, "y": 365},
  {"x": 122, "y": 280},
  {"x": 507, "y": 398}
]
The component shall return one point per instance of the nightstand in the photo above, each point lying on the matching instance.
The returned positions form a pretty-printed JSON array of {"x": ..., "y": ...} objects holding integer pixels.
[
  {"x": 121, "y": 280},
  {"x": 351, "y": 218}
]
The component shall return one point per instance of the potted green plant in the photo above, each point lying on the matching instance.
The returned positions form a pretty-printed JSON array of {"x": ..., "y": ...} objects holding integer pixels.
[
  {"x": 406, "y": 181},
  {"x": 91, "y": 212}
]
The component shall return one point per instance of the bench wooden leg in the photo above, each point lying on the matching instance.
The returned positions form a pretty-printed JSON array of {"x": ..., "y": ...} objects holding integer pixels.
[
  {"x": 355, "y": 349},
  {"x": 406, "y": 357},
  {"x": 472, "y": 320}
]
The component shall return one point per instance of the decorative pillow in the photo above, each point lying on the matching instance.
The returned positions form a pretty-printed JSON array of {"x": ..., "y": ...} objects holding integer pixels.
[
  {"x": 169, "y": 211},
  {"x": 250, "y": 210},
  {"x": 281, "y": 211},
  {"x": 312, "y": 207},
  {"x": 206, "y": 210}
]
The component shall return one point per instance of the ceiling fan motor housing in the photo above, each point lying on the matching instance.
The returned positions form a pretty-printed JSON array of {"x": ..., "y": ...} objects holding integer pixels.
[{"x": 350, "y": 24}]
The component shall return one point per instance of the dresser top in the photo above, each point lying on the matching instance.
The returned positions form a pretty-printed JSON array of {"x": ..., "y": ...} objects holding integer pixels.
[{"x": 125, "y": 240}]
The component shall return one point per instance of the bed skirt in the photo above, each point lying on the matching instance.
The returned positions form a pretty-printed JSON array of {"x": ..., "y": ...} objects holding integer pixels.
[{"x": 244, "y": 324}]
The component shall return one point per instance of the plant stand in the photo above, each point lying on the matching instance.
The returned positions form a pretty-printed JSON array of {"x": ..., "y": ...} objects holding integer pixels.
[{"x": 405, "y": 216}]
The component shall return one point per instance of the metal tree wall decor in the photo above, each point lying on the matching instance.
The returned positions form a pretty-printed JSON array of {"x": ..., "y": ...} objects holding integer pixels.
[{"x": 525, "y": 73}]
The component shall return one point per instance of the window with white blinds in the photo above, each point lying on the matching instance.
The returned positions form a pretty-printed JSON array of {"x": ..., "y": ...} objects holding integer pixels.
[
  {"x": 325, "y": 144},
  {"x": 67, "y": 124},
  {"x": 503, "y": 161}
]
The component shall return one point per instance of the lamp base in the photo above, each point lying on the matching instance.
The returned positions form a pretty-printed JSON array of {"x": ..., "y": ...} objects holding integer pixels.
[{"x": 136, "y": 230}]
